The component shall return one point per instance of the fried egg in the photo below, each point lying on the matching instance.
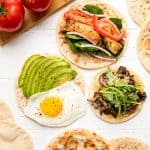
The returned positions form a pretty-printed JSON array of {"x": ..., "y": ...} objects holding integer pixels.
[{"x": 57, "y": 107}]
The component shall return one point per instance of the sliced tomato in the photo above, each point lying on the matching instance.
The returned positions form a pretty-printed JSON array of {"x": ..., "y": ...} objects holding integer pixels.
[
  {"x": 106, "y": 28},
  {"x": 79, "y": 16}
]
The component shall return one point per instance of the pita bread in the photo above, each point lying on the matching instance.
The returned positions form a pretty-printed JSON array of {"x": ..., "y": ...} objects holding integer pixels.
[
  {"x": 12, "y": 137},
  {"x": 79, "y": 139},
  {"x": 22, "y": 100},
  {"x": 127, "y": 143},
  {"x": 84, "y": 60},
  {"x": 5, "y": 112},
  {"x": 139, "y": 10},
  {"x": 143, "y": 46},
  {"x": 109, "y": 118}
]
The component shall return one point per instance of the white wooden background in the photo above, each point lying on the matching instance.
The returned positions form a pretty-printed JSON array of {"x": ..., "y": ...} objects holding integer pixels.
[{"x": 42, "y": 39}]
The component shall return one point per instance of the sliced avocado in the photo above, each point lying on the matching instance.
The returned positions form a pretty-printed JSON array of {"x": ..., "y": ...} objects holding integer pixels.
[
  {"x": 52, "y": 70},
  {"x": 30, "y": 74},
  {"x": 26, "y": 66},
  {"x": 55, "y": 67},
  {"x": 59, "y": 78},
  {"x": 35, "y": 72}
]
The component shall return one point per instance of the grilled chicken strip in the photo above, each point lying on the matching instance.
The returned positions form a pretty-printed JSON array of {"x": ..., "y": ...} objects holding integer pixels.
[
  {"x": 113, "y": 46},
  {"x": 83, "y": 29}
]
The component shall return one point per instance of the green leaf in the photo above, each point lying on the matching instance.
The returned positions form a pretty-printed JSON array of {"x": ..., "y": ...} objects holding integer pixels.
[
  {"x": 72, "y": 46},
  {"x": 118, "y": 93},
  {"x": 93, "y": 9},
  {"x": 73, "y": 37},
  {"x": 117, "y": 22}
]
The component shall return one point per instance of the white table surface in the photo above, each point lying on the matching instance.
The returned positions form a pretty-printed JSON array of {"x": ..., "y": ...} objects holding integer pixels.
[{"x": 42, "y": 39}]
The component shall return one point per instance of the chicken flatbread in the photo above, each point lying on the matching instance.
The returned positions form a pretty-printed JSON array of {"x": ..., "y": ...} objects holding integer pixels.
[
  {"x": 92, "y": 34},
  {"x": 117, "y": 94}
]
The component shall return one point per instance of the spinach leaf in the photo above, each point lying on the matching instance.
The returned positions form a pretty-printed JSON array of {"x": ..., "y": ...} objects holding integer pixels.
[
  {"x": 93, "y": 9},
  {"x": 117, "y": 22},
  {"x": 73, "y": 37},
  {"x": 72, "y": 46}
]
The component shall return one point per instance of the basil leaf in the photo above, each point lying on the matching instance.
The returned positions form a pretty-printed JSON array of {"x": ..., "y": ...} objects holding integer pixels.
[
  {"x": 73, "y": 37},
  {"x": 93, "y": 9},
  {"x": 117, "y": 22}
]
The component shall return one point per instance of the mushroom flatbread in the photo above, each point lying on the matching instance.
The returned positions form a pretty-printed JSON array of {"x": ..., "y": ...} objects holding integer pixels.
[
  {"x": 78, "y": 139},
  {"x": 127, "y": 143},
  {"x": 143, "y": 46},
  {"x": 117, "y": 94},
  {"x": 139, "y": 10},
  {"x": 92, "y": 34}
]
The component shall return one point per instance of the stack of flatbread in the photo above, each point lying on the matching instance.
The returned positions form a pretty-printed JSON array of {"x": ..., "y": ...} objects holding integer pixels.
[
  {"x": 140, "y": 12},
  {"x": 12, "y": 137}
]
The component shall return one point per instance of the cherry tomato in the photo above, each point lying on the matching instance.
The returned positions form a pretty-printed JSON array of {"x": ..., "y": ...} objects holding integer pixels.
[
  {"x": 37, "y": 5},
  {"x": 11, "y": 15}
]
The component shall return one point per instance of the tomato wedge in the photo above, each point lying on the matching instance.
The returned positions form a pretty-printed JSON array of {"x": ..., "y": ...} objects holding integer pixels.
[
  {"x": 79, "y": 16},
  {"x": 106, "y": 28}
]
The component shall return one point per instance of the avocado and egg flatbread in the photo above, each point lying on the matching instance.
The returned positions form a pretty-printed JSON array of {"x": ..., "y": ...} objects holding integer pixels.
[
  {"x": 117, "y": 94},
  {"x": 80, "y": 43},
  {"x": 41, "y": 73}
]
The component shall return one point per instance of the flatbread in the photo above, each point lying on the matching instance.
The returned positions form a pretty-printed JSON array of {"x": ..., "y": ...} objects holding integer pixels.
[
  {"x": 78, "y": 139},
  {"x": 86, "y": 61},
  {"x": 109, "y": 118},
  {"x": 13, "y": 137},
  {"x": 22, "y": 100},
  {"x": 126, "y": 143},
  {"x": 5, "y": 112},
  {"x": 139, "y": 10},
  {"x": 143, "y": 46}
]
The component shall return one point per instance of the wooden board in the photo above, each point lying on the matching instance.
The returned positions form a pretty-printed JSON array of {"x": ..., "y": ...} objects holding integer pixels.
[{"x": 32, "y": 19}]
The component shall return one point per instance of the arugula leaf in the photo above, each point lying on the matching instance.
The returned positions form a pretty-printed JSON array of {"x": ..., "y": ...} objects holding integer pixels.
[
  {"x": 93, "y": 9},
  {"x": 117, "y": 22},
  {"x": 118, "y": 93}
]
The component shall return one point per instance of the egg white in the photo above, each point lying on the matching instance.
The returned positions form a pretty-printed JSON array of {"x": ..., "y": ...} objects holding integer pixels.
[{"x": 74, "y": 105}]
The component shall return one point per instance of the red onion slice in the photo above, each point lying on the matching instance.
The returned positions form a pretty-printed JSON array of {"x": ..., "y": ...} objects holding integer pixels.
[
  {"x": 81, "y": 35},
  {"x": 98, "y": 47},
  {"x": 90, "y": 14},
  {"x": 104, "y": 58}
]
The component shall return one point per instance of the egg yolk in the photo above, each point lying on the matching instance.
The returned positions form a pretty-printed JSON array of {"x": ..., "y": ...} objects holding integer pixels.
[{"x": 51, "y": 106}]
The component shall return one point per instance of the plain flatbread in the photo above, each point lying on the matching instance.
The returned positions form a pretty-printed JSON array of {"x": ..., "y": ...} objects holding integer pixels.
[
  {"x": 22, "y": 100},
  {"x": 109, "y": 118},
  {"x": 127, "y": 143},
  {"x": 5, "y": 112},
  {"x": 143, "y": 46},
  {"x": 86, "y": 61},
  {"x": 139, "y": 10},
  {"x": 13, "y": 137},
  {"x": 78, "y": 139}
]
